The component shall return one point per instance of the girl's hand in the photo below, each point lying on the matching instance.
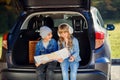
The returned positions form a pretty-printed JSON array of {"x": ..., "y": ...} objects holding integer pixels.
[
  {"x": 72, "y": 58},
  {"x": 60, "y": 60}
]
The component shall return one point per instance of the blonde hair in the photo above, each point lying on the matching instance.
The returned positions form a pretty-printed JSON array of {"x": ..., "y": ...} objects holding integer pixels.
[{"x": 65, "y": 28}]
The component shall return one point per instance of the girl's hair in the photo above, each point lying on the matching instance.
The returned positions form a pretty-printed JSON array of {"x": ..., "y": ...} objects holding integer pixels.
[{"x": 65, "y": 28}]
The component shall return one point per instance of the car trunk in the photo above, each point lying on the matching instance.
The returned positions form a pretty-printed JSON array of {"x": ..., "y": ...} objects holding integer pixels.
[{"x": 24, "y": 47}]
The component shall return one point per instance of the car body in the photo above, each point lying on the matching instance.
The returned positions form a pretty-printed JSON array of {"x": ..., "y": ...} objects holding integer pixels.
[{"x": 89, "y": 29}]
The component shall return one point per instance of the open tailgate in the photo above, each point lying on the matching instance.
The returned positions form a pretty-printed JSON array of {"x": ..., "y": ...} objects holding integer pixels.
[{"x": 85, "y": 4}]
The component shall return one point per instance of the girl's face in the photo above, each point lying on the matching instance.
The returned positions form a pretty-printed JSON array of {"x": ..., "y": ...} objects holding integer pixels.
[
  {"x": 63, "y": 31},
  {"x": 64, "y": 34},
  {"x": 48, "y": 37}
]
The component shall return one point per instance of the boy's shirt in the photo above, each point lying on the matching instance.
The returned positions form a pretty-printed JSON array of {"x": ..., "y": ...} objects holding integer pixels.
[{"x": 40, "y": 49}]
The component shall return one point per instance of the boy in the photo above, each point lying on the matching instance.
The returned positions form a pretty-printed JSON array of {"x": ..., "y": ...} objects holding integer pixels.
[{"x": 45, "y": 46}]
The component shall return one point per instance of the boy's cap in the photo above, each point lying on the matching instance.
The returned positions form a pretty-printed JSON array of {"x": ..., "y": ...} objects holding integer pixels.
[{"x": 44, "y": 31}]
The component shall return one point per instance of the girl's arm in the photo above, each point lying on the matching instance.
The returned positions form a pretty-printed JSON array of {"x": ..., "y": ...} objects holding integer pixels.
[
  {"x": 75, "y": 48},
  {"x": 59, "y": 60}
]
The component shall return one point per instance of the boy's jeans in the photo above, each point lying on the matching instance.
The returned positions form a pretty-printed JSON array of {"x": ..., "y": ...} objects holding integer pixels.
[
  {"x": 73, "y": 69},
  {"x": 45, "y": 71}
]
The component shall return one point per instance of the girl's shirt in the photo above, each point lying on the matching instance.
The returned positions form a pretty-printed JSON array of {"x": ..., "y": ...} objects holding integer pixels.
[
  {"x": 51, "y": 47},
  {"x": 75, "y": 50}
]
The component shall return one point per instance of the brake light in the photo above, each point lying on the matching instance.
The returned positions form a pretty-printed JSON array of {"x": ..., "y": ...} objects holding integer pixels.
[
  {"x": 99, "y": 39},
  {"x": 4, "y": 41}
]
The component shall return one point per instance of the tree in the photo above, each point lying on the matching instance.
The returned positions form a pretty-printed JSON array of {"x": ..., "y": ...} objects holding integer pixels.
[
  {"x": 9, "y": 9},
  {"x": 109, "y": 8}
]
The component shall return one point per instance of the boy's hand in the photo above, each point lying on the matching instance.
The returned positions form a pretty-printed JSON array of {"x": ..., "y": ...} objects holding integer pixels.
[
  {"x": 36, "y": 64},
  {"x": 72, "y": 58}
]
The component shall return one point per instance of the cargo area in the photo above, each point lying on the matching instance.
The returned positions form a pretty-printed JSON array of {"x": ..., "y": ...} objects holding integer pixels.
[{"x": 24, "y": 47}]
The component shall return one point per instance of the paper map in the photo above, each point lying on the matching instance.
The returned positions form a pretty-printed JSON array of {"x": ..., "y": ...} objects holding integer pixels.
[{"x": 42, "y": 59}]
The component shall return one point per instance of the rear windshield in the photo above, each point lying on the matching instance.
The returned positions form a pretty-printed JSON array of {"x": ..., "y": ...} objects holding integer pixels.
[{"x": 53, "y": 19}]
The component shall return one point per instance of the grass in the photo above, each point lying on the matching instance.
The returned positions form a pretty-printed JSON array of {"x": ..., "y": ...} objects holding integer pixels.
[{"x": 114, "y": 39}]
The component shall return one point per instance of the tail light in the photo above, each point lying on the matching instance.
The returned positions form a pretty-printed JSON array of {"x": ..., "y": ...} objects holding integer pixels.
[
  {"x": 99, "y": 39},
  {"x": 4, "y": 41}
]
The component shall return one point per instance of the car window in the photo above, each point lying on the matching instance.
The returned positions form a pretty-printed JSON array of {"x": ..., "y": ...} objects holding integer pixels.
[
  {"x": 58, "y": 21},
  {"x": 99, "y": 19},
  {"x": 53, "y": 19}
]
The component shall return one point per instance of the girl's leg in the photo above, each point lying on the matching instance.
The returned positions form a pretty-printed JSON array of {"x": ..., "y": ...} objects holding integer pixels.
[
  {"x": 49, "y": 73},
  {"x": 64, "y": 67},
  {"x": 73, "y": 70}
]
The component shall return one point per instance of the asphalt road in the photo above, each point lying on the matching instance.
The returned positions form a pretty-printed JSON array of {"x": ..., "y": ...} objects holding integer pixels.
[{"x": 115, "y": 71}]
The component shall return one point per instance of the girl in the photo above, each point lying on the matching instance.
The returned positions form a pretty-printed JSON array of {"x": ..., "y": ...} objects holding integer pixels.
[
  {"x": 67, "y": 40},
  {"x": 45, "y": 46}
]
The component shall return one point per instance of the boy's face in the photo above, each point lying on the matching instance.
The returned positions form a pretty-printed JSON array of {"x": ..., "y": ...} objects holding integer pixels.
[{"x": 48, "y": 37}]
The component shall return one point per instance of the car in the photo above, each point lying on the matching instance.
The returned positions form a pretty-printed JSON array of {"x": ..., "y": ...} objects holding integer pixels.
[{"x": 89, "y": 28}]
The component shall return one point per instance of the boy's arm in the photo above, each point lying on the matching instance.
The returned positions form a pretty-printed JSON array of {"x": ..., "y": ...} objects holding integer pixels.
[
  {"x": 55, "y": 45},
  {"x": 37, "y": 50}
]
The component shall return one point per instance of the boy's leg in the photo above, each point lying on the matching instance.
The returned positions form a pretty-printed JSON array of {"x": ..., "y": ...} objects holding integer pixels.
[
  {"x": 40, "y": 70},
  {"x": 50, "y": 68},
  {"x": 73, "y": 70}
]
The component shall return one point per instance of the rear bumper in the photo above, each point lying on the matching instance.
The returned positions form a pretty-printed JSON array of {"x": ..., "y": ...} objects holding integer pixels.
[{"x": 29, "y": 74}]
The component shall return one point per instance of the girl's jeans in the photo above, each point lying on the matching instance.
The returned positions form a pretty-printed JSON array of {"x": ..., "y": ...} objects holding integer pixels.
[
  {"x": 45, "y": 71},
  {"x": 73, "y": 69}
]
